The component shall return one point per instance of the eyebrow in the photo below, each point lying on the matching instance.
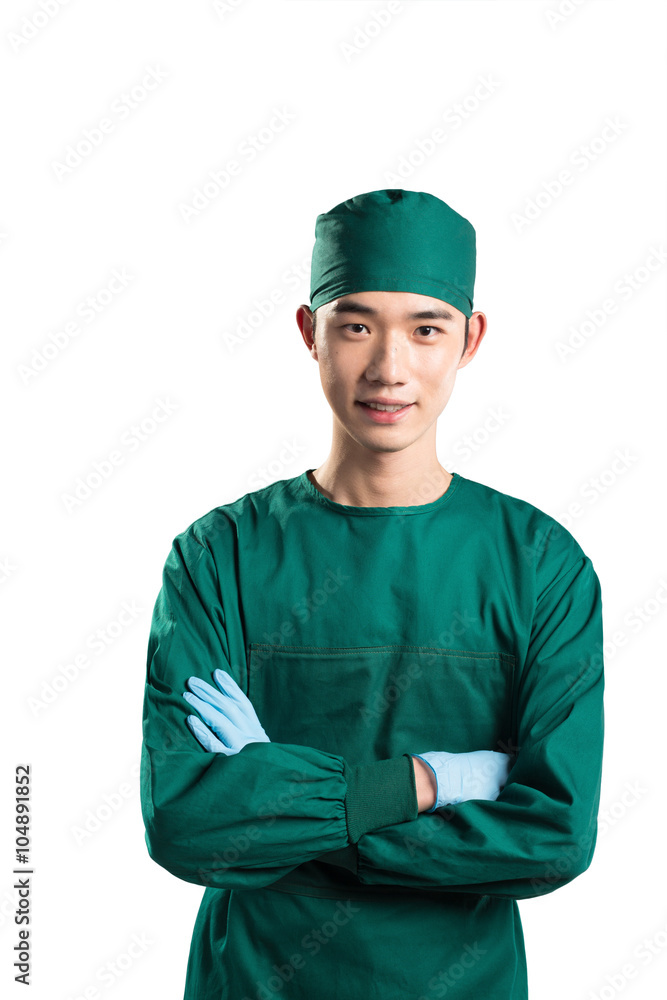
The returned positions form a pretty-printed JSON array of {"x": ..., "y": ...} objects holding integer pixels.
[{"x": 351, "y": 306}]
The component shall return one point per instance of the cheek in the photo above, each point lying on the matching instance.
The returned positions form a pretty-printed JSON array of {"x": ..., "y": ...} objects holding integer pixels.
[
  {"x": 333, "y": 373},
  {"x": 439, "y": 389},
  {"x": 330, "y": 377},
  {"x": 438, "y": 381}
]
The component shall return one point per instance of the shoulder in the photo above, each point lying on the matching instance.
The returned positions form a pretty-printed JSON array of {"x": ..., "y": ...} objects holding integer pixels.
[
  {"x": 222, "y": 525},
  {"x": 536, "y": 539}
]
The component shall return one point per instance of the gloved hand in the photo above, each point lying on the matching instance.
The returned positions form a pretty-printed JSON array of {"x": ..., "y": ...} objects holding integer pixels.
[
  {"x": 480, "y": 774},
  {"x": 230, "y": 715}
]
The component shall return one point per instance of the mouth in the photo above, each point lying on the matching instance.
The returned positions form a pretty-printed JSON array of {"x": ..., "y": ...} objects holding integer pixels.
[{"x": 381, "y": 413}]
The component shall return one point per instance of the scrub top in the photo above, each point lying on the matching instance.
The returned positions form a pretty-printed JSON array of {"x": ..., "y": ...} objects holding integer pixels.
[{"x": 363, "y": 635}]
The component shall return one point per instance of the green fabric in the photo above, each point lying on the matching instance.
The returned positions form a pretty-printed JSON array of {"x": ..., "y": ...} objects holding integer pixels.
[
  {"x": 371, "y": 801},
  {"x": 393, "y": 241},
  {"x": 362, "y": 635}
]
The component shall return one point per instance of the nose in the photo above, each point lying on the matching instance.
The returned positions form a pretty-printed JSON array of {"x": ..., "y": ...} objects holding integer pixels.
[{"x": 388, "y": 362}]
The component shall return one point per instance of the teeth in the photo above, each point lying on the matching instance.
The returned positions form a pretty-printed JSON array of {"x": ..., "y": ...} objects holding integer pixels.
[{"x": 381, "y": 406}]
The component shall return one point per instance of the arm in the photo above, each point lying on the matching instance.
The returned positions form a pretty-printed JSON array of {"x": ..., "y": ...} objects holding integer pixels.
[
  {"x": 540, "y": 833},
  {"x": 425, "y": 784},
  {"x": 248, "y": 819}
]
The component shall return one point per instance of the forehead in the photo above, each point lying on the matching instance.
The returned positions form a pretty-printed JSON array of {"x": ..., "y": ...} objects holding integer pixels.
[{"x": 392, "y": 305}]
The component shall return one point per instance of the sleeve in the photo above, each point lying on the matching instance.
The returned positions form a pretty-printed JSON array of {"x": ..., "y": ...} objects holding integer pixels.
[
  {"x": 245, "y": 820},
  {"x": 541, "y": 831}
]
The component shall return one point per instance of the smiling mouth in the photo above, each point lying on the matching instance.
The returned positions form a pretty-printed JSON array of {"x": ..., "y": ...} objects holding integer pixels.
[
  {"x": 384, "y": 413},
  {"x": 386, "y": 406}
]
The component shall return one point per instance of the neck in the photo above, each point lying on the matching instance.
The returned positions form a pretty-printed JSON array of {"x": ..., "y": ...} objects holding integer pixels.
[{"x": 381, "y": 479}]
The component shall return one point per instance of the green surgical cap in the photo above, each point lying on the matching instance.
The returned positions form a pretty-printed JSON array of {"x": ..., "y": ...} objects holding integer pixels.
[{"x": 393, "y": 241}]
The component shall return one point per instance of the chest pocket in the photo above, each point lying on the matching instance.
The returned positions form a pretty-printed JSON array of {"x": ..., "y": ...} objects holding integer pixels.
[{"x": 368, "y": 703}]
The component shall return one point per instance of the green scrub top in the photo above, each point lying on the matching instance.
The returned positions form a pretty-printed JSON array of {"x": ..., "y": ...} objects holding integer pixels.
[{"x": 363, "y": 635}]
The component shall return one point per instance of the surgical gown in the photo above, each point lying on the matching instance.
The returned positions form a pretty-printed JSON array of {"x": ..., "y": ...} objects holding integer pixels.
[{"x": 363, "y": 635}]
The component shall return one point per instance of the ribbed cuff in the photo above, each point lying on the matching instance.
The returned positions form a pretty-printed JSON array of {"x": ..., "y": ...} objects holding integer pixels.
[{"x": 380, "y": 794}]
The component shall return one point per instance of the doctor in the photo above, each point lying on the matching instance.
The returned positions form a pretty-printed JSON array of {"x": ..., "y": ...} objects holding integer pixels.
[{"x": 367, "y": 790}]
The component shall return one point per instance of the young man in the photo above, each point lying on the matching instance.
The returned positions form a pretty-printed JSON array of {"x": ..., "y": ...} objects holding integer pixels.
[{"x": 396, "y": 671}]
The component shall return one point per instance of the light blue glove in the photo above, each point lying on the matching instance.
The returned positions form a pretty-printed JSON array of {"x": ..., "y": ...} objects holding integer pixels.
[
  {"x": 228, "y": 712},
  {"x": 480, "y": 774}
]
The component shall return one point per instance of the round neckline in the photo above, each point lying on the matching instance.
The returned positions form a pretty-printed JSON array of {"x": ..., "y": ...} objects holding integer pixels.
[{"x": 344, "y": 508}]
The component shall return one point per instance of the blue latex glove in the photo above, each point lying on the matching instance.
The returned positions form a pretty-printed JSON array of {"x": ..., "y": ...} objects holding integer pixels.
[
  {"x": 480, "y": 774},
  {"x": 231, "y": 720}
]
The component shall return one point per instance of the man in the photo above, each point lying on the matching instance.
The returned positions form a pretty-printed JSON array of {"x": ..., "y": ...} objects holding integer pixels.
[{"x": 396, "y": 671}]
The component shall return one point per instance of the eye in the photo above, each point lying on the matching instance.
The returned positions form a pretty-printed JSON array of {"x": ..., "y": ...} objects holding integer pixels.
[{"x": 357, "y": 327}]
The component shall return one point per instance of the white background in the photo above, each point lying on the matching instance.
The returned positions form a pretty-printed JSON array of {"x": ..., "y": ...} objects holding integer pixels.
[{"x": 363, "y": 98}]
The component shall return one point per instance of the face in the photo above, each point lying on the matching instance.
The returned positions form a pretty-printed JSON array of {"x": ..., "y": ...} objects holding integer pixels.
[{"x": 398, "y": 346}]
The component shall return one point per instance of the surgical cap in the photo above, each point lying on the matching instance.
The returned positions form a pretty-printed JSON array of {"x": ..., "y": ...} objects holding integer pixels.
[{"x": 394, "y": 241}]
